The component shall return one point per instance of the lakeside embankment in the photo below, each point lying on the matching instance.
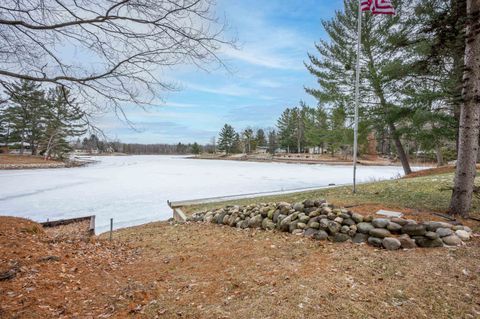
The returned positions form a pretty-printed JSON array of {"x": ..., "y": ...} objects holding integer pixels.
[
  {"x": 202, "y": 270},
  {"x": 305, "y": 159},
  {"x": 10, "y": 161}
]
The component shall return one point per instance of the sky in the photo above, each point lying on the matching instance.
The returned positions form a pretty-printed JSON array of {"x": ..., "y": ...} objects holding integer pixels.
[{"x": 264, "y": 75}]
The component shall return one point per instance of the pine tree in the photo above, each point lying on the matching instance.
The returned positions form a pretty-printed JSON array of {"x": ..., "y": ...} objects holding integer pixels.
[
  {"x": 228, "y": 139},
  {"x": 4, "y": 125},
  {"x": 286, "y": 130},
  {"x": 260, "y": 138},
  {"x": 316, "y": 127},
  {"x": 382, "y": 71},
  {"x": 27, "y": 114},
  {"x": 196, "y": 148},
  {"x": 272, "y": 142},
  {"x": 63, "y": 119}
]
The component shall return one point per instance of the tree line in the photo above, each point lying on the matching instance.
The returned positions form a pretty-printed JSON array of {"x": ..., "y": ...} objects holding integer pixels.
[
  {"x": 40, "y": 120},
  {"x": 94, "y": 145},
  {"x": 247, "y": 140}
]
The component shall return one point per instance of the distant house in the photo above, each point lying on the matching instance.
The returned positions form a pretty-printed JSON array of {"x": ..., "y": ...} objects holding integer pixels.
[
  {"x": 314, "y": 150},
  {"x": 261, "y": 150}
]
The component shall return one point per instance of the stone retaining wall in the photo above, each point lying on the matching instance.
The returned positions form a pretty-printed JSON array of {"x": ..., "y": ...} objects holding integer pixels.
[{"x": 322, "y": 221}]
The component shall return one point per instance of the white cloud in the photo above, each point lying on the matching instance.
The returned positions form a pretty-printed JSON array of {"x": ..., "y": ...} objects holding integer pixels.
[{"x": 265, "y": 59}]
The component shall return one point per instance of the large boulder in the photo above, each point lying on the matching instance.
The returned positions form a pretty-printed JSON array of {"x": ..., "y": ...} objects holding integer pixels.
[
  {"x": 391, "y": 243},
  {"x": 364, "y": 228},
  {"x": 407, "y": 242},
  {"x": 298, "y": 207},
  {"x": 314, "y": 225},
  {"x": 463, "y": 234},
  {"x": 431, "y": 235},
  {"x": 321, "y": 235},
  {"x": 303, "y": 218},
  {"x": 414, "y": 229},
  {"x": 452, "y": 240},
  {"x": 333, "y": 227},
  {"x": 380, "y": 222},
  {"x": 308, "y": 203},
  {"x": 428, "y": 243},
  {"x": 394, "y": 227},
  {"x": 268, "y": 224},
  {"x": 324, "y": 223},
  {"x": 285, "y": 223},
  {"x": 433, "y": 226},
  {"x": 348, "y": 222},
  {"x": 255, "y": 221},
  {"x": 444, "y": 232},
  {"x": 310, "y": 232},
  {"x": 340, "y": 237},
  {"x": 358, "y": 218},
  {"x": 375, "y": 241},
  {"x": 380, "y": 232},
  {"x": 359, "y": 238},
  {"x": 400, "y": 221}
]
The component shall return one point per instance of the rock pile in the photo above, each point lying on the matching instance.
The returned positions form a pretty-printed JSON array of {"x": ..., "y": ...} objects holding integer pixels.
[{"x": 320, "y": 220}]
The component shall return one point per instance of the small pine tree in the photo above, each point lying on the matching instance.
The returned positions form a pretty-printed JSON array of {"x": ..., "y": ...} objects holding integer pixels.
[
  {"x": 196, "y": 148},
  {"x": 260, "y": 138},
  {"x": 227, "y": 139}
]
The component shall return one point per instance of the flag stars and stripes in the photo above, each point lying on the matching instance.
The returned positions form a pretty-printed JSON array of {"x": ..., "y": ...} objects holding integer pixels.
[{"x": 377, "y": 6}]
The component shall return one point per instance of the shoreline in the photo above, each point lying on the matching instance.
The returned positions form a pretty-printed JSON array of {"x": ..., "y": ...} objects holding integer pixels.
[
  {"x": 44, "y": 164},
  {"x": 305, "y": 161}
]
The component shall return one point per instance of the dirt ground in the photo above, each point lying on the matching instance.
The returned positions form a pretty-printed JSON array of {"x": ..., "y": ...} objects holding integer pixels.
[{"x": 194, "y": 270}]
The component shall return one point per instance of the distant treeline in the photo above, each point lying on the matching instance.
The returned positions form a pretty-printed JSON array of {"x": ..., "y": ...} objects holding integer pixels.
[{"x": 94, "y": 145}]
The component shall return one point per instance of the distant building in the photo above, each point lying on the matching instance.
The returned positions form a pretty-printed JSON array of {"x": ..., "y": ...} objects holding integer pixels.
[{"x": 261, "y": 150}]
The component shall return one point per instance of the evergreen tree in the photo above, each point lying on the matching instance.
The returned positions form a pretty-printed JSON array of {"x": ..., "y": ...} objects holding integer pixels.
[
  {"x": 196, "y": 148},
  {"x": 260, "y": 138},
  {"x": 286, "y": 130},
  {"x": 383, "y": 72},
  {"x": 4, "y": 125},
  {"x": 228, "y": 139},
  {"x": 27, "y": 114},
  {"x": 272, "y": 141},
  {"x": 63, "y": 119},
  {"x": 316, "y": 127}
]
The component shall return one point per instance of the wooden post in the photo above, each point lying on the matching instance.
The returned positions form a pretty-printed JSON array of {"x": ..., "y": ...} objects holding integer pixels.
[{"x": 111, "y": 228}]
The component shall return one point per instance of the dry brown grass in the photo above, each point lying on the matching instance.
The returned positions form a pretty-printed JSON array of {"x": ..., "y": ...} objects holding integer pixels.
[
  {"x": 23, "y": 159},
  {"x": 209, "y": 271},
  {"x": 194, "y": 270}
]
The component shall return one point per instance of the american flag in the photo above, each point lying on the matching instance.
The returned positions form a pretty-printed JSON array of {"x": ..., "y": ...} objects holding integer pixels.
[{"x": 377, "y": 6}]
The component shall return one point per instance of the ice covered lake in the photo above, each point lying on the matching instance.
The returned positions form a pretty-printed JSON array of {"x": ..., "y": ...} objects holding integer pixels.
[{"x": 135, "y": 189}]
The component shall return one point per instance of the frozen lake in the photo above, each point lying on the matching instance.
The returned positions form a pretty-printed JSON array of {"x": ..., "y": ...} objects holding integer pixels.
[{"x": 135, "y": 189}]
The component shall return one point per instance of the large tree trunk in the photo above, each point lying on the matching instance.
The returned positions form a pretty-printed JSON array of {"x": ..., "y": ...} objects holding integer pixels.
[
  {"x": 400, "y": 150},
  {"x": 469, "y": 116}
]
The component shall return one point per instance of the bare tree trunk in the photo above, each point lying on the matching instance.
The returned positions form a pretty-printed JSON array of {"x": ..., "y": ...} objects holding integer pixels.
[
  {"x": 438, "y": 152},
  {"x": 400, "y": 150},
  {"x": 469, "y": 116}
]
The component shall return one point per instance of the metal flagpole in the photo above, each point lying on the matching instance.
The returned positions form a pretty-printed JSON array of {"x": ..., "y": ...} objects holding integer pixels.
[{"x": 357, "y": 94}]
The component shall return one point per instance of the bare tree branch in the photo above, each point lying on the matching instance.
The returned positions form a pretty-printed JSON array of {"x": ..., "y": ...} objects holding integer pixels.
[{"x": 108, "y": 52}]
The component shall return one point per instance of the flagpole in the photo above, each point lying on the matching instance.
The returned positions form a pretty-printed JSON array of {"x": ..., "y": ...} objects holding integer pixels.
[{"x": 357, "y": 94}]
